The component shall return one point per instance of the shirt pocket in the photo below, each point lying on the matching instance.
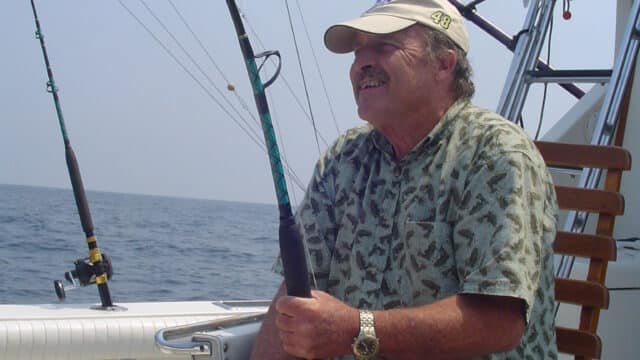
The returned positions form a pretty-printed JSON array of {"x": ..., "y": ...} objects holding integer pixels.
[{"x": 429, "y": 271}]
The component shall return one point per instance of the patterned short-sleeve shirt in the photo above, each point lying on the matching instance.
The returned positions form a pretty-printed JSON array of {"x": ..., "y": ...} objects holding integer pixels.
[{"x": 470, "y": 210}]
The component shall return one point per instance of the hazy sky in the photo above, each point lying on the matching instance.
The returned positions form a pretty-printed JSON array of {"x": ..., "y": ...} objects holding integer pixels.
[{"x": 139, "y": 124}]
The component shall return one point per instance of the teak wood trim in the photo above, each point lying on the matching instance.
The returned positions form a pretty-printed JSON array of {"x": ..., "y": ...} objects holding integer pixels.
[
  {"x": 579, "y": 155},
  {"x": 600, "y": 248},
  {"x": 577, "y": 342},
  {"x": 585, "y": 245},
  {"x": 582, "y": 292},
  {"x": 590, "y": 200}
]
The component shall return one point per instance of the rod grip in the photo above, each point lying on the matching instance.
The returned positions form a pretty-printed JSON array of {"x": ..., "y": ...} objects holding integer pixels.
[
  {"x": 294, "y": 262},
  {"x": 78, "y": 191}
]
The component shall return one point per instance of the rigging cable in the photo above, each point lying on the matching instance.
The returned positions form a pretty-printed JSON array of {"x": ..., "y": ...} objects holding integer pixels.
[
  {"x": 315, "y": 59},
  {"x": 255, "y": 138},
  {"x": 304, "y": 80}
]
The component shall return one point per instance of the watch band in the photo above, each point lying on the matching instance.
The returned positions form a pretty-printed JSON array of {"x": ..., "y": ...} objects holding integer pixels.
[
  {"x": 367, "y": 326},
  {"x": 365, "y": 345}
]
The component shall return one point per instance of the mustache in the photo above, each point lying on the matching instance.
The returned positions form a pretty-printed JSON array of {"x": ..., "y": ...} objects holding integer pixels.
[{"x": 371, "y": 72}]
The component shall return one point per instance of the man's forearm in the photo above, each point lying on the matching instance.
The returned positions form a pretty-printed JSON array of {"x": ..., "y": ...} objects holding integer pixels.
[{"x": 460, "y": 326}]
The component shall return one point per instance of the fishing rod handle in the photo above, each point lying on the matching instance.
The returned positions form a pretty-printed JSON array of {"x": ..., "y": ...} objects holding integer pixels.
[{"x": 294, "y": 260}]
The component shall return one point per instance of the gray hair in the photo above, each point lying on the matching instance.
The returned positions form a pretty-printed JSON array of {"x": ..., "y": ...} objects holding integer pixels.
[{"x": 437, "y": 42}]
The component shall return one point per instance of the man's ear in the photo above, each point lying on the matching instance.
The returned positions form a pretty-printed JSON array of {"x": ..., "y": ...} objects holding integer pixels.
[{"x": 446, "y": 62}]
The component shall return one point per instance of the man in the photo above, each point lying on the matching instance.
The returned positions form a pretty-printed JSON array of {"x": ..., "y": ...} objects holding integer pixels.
[{"x": 430, "y": 229}]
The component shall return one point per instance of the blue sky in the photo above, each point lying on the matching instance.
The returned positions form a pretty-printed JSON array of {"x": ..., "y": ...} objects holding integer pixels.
[{"x": 139, "y": 124}]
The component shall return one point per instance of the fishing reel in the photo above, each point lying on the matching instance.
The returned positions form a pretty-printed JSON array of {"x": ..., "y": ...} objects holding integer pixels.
[{"x": 84, "y": 274}]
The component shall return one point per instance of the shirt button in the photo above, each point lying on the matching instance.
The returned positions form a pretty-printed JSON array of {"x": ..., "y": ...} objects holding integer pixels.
[{"x": 397, "y": 171}]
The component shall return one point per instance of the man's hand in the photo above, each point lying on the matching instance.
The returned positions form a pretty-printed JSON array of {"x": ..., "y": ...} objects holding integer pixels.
[{"x": 318, "y": 327}]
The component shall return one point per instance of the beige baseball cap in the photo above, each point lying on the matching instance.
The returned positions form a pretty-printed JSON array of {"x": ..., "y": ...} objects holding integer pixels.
[{"x": 388, "y": 16}]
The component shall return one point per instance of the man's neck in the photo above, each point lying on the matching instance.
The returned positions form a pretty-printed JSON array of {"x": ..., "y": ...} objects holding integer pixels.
[{"x": 404, "y": 135}]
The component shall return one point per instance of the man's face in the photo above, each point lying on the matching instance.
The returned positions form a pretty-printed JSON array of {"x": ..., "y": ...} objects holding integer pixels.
[{"x": 391, "y": 75}]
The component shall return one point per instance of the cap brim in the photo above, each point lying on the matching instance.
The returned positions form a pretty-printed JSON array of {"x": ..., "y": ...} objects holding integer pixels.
[{"x": 339, "y": 38}]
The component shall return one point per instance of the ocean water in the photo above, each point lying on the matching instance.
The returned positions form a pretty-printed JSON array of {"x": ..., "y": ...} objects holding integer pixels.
[{"x": 161, "y": 248}]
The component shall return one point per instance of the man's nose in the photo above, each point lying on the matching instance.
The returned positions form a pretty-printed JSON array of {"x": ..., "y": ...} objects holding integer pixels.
[{"x": 364, "y": 58}]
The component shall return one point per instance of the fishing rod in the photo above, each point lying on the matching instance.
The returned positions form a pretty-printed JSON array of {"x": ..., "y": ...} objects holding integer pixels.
[
  {"x": 97, "y": 267},
  {"x": 292, "y": 252}
]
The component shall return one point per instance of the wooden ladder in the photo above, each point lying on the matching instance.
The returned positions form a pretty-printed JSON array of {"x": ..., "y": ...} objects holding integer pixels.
[{"x": 599, "y": 248}]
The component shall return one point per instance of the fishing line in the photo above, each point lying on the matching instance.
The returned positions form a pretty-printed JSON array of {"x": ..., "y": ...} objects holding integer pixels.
[
  {"x": 253, "y": 136},
  {"x": 195, "y": 63},
  {"x": 240, "y": 100},
  {"x": 292, "y": 176},
  {"x": 284, "y": 78},
  {"x": 315, "y": 59},
  {"x": 284, "y": 150},
  {"x": 304, "y": 80}
]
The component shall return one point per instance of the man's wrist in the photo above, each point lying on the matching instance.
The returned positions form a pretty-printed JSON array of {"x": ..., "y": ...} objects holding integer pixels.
[{"x": 366, "y": 344}]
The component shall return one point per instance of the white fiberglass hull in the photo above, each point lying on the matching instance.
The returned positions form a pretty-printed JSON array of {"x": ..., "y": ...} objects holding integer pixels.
[{"x": 63, "y": 331}]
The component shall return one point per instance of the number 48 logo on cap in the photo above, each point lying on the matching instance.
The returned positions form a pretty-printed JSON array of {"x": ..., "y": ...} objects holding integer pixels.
[{"x": 441, "y": 19}]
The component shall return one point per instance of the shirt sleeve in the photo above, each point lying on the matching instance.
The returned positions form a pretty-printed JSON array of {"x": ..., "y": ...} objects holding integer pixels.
[
  {"x": 315, "y": 220},
  {"x": 498, "y": 233}
]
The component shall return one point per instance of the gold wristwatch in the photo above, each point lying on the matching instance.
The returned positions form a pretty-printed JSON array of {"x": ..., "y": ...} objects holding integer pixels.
[{"x": 365, "y": 345}]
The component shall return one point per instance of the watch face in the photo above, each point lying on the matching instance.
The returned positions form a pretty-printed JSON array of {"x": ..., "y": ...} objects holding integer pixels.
[{"x": 365, "y": 346}]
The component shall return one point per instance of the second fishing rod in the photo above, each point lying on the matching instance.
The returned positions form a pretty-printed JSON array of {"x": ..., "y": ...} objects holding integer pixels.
[{"x": 97, "y": 267}]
